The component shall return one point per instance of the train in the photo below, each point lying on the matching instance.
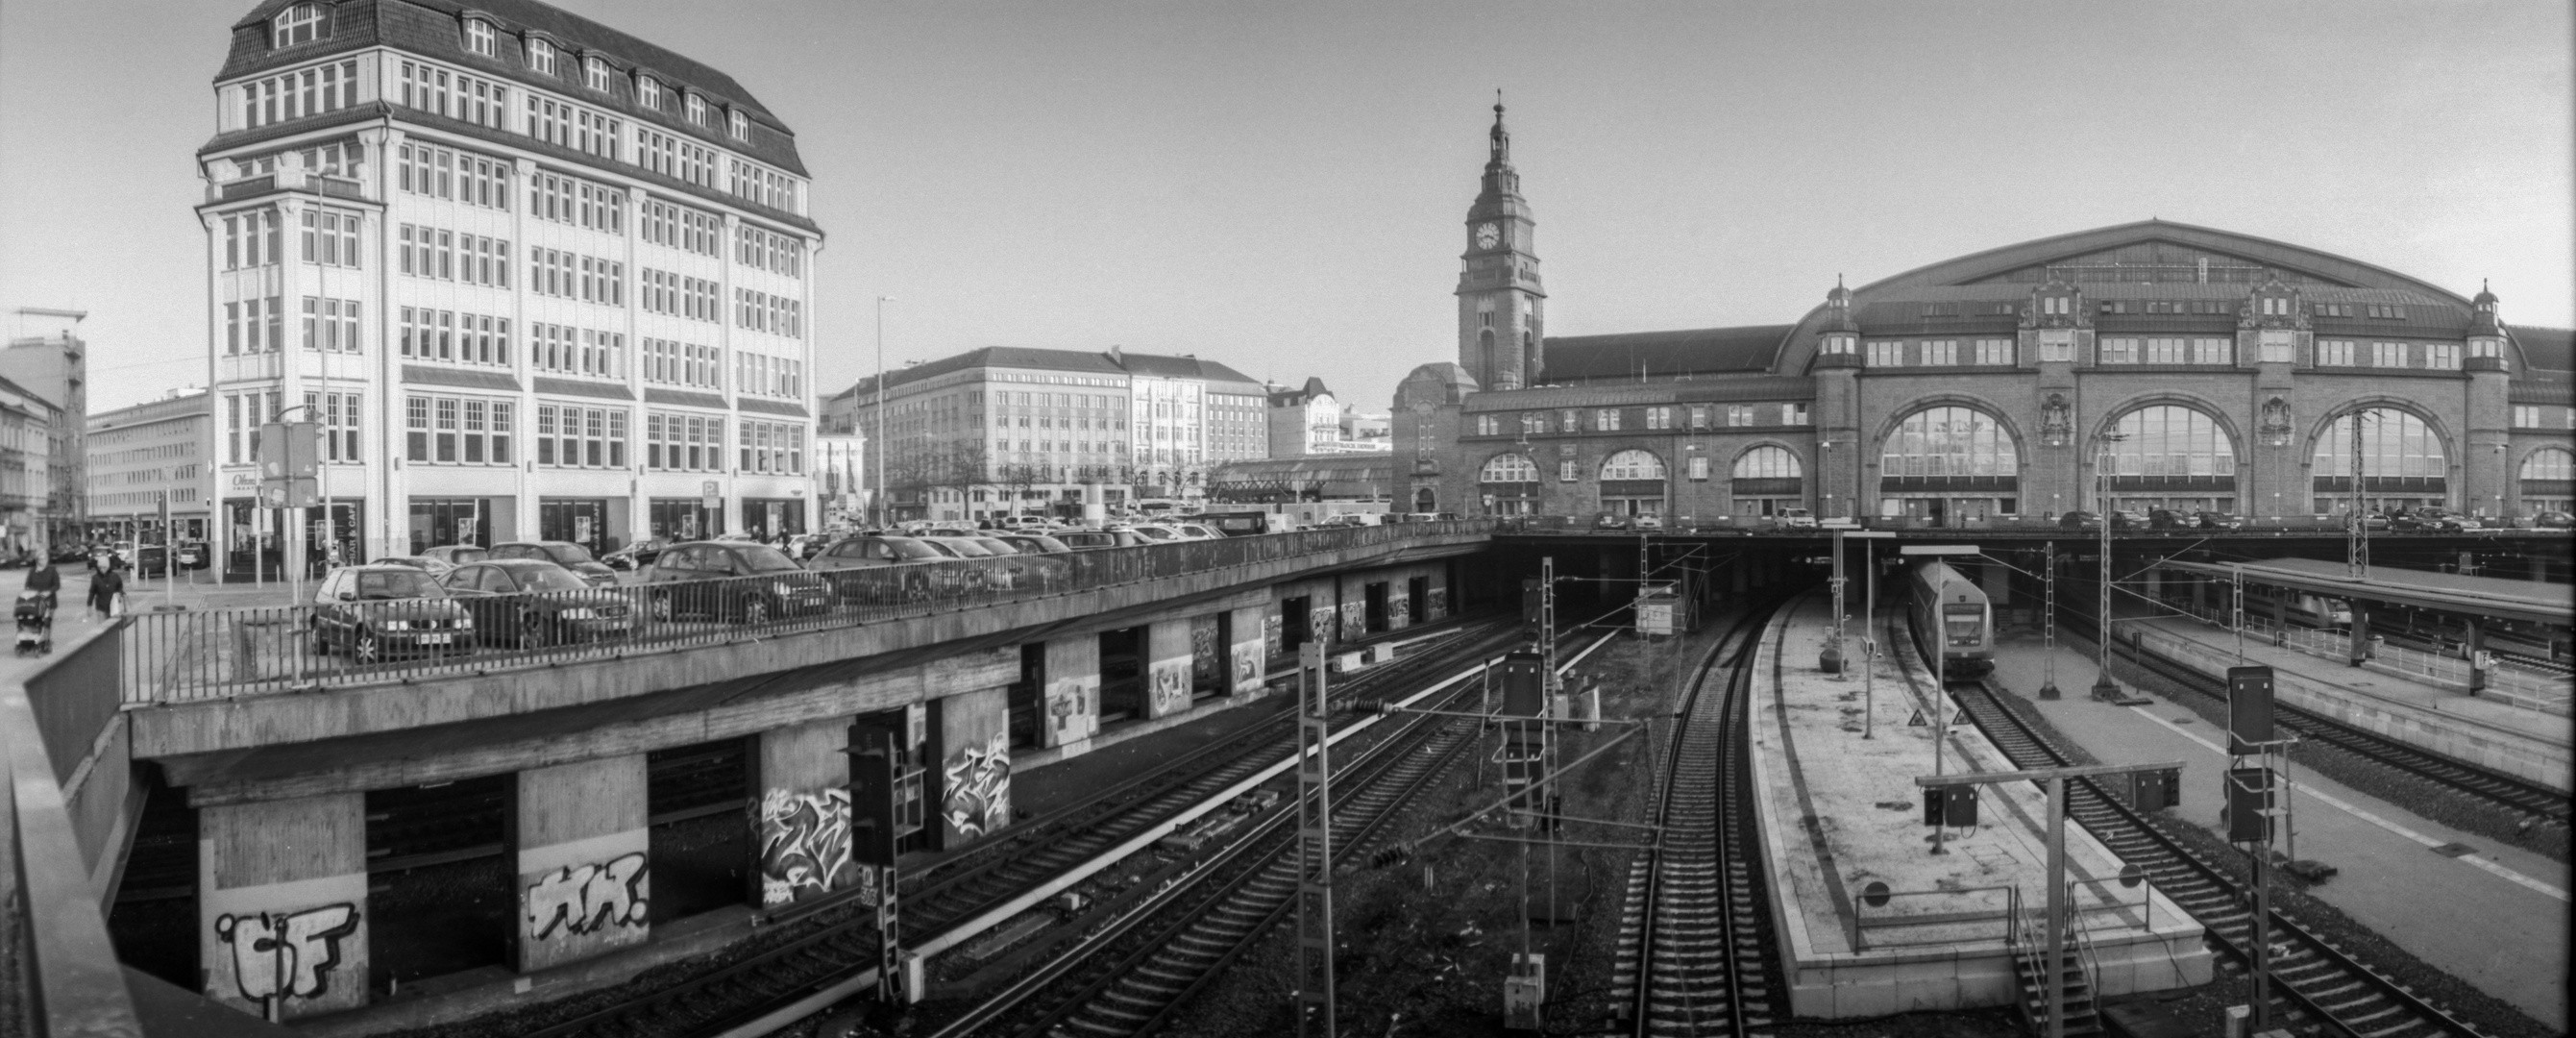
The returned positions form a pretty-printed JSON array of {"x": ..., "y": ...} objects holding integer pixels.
[{"x": 1941, "y": 602}]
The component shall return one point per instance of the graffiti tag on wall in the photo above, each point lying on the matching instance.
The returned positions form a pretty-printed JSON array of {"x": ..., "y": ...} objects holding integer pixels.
[
  {"x": 978, "y": 799},
  {"x": 1354, "y": 620},
  {"x": 1273, "y": 637},
  {"x": 1247, "y": 667},
  {"x": 1321, "y": 624},
  {"x": 1072, "y": 711},
  {"x": 804, "y": 844},
  {"x": 1204, "y": 659},
  {"x": 1439, "y": 604},
  {"x": 592, "y": 897},
  {"x": 1396, "y": 609},
  {"x": 286, "y": 954},
  {"x": 1171, "y": 686}
]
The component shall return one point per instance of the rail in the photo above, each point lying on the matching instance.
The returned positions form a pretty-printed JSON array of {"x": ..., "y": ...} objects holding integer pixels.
[
  {"x": 223, "y": 653},
  {"x": 62, "y": 979}
]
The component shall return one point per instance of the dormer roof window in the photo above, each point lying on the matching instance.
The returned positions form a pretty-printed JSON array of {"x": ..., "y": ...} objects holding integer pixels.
[
  {"x": 697, "y": 109},
  {"x": 301, "y": 23},
  {"x": 541, "y": 56},
  {"x": 739, "y": 123},
  {"x": 594, "y": 73},
  {"x": 648, "y": 92},
  {"x": 480, "y": 39}
]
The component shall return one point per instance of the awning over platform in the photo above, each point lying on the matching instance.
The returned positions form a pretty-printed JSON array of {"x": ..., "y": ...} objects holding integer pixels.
[{"x": 2529, "y": 601}]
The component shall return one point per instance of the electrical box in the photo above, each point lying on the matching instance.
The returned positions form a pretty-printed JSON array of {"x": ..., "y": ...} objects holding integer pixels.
[
  {"x": 2154, "y": 790},
  {"x": 1950, "y": 805},
  {"x": 1524, "y": 992},
  {"x": 2249, "y": 708},
  {"x": 2249, "y": 804}
]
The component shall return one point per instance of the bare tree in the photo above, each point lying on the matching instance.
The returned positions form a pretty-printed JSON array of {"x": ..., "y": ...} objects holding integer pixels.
[{"x": 1017, "y": 479}]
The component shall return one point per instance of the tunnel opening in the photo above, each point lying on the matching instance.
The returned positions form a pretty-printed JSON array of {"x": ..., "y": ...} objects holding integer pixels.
[
  {"x": 1296, "y": 623},
  {"x": 697, "y": 800},
  {"x": 1417, "y": 599},
  {"x": 153, "y": 923},
  {"x": 439, "y": 882},
  {"x": 1024, "y": 698},
  {"x": 1373, "y": 616},
  {"x": 1122, "y": 675}
]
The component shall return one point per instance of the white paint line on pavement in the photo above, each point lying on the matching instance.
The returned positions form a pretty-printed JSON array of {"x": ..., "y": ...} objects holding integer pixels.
[{"x": 2473, "y": 860}]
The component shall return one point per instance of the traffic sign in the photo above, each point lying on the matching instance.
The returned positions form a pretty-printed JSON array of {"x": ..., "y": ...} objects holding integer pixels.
[{"x": 1917, "y": 721}]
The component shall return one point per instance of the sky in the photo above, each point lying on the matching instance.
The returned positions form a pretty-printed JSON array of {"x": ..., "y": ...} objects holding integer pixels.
[{"x": 1283, "y": 186}]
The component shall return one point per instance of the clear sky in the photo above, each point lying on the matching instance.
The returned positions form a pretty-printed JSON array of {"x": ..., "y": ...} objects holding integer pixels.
[{"x": 1283, "y": 186}]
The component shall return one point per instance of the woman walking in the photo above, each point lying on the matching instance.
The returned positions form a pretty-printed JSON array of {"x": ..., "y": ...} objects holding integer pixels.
[{"x": 104, "y": 590}]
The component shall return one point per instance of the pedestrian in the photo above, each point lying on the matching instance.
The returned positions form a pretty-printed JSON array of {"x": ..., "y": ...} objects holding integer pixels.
[{"x": 104, "y": 591}]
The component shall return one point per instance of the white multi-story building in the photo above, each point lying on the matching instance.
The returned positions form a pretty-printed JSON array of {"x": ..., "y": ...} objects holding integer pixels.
[
  {"x": 147, "y": 462},
  {"x": 535, "y": 278}
]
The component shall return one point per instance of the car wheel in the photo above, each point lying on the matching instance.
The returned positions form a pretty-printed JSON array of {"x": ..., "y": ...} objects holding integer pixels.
[
  {"x": 755, "y": 610},
  {"x": 365, "y": 648}
]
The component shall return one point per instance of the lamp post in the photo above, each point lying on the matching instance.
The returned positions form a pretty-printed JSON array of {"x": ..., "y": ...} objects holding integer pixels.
[
  {"x": 2103, "y": 687},
  {"x": 878, "y": 501}
]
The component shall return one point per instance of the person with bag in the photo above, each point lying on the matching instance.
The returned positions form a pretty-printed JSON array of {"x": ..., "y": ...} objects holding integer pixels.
[{"x": 106, "y": 590}]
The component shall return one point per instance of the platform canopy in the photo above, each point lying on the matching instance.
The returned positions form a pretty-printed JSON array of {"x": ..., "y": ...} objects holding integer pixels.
[{"x": 2529, "y": 601}]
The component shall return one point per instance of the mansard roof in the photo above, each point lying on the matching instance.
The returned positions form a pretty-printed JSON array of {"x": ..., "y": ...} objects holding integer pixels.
[{"x": 1635, "y": 356}]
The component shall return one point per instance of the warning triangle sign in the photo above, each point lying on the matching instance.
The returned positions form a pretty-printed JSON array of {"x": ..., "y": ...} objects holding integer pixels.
[{"x": 1917, "y": 721}]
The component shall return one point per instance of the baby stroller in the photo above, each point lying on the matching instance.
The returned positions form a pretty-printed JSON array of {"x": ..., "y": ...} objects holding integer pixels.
[{"x": 35, "y": 622}]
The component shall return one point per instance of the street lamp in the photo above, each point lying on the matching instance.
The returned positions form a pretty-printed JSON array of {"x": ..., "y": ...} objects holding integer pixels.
[
  {"x": 2103, "y": 687},
  {"x": 882, "y": 456}
]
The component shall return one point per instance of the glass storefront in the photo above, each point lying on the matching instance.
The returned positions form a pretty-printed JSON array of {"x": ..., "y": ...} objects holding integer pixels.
[
  {"x": 683, "y": 519},
  {"x": 438, "y": 521},
  {"x": 583, "y": 521},
  {"x": 765, "y": 518}
]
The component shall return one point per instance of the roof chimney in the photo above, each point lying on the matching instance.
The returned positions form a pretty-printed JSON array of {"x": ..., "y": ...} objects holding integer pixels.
[{"x": 1116, "y": 357}]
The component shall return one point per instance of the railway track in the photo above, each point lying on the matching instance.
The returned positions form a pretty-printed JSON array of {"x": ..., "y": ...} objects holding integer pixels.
[
  {"x": 959, "y": 891},
  {"x": 2536, "y": 801},
  {"x": 1128, "y": 977},
  {"x": 1692, "y": 958},
  {"x": 2321, "y": 987}
]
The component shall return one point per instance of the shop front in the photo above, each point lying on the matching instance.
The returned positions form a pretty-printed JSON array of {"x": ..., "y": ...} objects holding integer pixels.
[
  {"x": 438, "y": 521},
  {"x": 256, "y": 538},
  {"x": 768, "y": 518},
  {"x": 683, "y": 519},
  {"x": 586, "y": 521}
]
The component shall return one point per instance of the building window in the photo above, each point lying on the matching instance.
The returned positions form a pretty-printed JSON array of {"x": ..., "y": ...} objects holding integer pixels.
[
  {"x": 740, "y": 123},
  {"x": 1885, "y": 353},
  {"x": 2442, "y": 356},
  {"x": 479, "y": 38},
  {"x": 1949, "y": 441},
  {"x": 251, "y": 239},
  {"x": 2166, "y": 350},
  {"x": 541, "y": 56},
  {"x": 2278, "y": 347},
  {"x": 1570, "y": 420},
  {"x": 648, "y": 92},
  {"x": 1489, "y": 425},
  {"x": 594, "y": 74},
  {"x": 330, "y": 237},
  {"x": 2549, "y": 463},
  {"x": 2335, "y": 353},
  {"x": 1995, "y": 352},
  {"x": 1699, "y": 467},
  {"x": 1839, "y": 344},
  {"x": 2526, "y": 416},
  {"x": 1606, "y": 419},
  {"x": 1659, "y": 418},
  {"x": 1739, "y": 415},
  {"x": 2057, "y": 344},
  {"x": 301, "y": 23},
  {"x": 1767, "y": 463},
  {"x": 2118, "y": 350},
  {"x": 2388, "y": 354},
  {"x": 1795, "y": 414},
  {"x": 1632, "y": 465},
  {"x": 331, "y": 324},
  {"x": 2393, "y": 443},
  {"x": 445, "y": 173},
  {"x": 456, "y": 95},
  {"x": 2213, "y": 351},
  {"x": 697, "y": 109},
  {"x": 1699, "y": 416},
  {"x": 2388, "y": 313},
  {"x": 2169, "y": 440},
  {"x": 1941, "y": 351},
  {"x": 1565, "y": 471},
  {"x": 294, "y": 95}
]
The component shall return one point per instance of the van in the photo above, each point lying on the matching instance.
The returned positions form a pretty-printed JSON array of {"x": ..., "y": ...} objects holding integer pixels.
[{"x": 1796, "y": 518}]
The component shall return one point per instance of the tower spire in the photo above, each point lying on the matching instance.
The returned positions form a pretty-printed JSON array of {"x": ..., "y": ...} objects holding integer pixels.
[{"x": 1500, "y": 144}]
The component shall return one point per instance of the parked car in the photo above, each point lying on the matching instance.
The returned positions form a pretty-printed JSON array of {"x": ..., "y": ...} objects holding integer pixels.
[
  {"x": 1647, "y": 521},
  {"x": 566, "y": 554},
  {"x": 1036, "y": 544},
  {"x": 455, "y": 554},
  {"x": 738, "y": 581},
  {"x": 2207, "y": 520},
  {"x": 1087, "y": 540},
  {"x": 804, "y": 546},
  {"x": 1795, "y": 518},
  {"x": 193, "y": 555},
  {"x": 152, "y": 560},
  {"x": 2553, "y": 520},
  {"x": 1156, "y": 533},
  {"x": 2432, "y": 519},
  {"x": 637, "y": 555},
  {"x": 531, "y": 603},
  {"x": 423, "y": 563},
  {"x": 845, "y": 564},
  {"x": 2079, "y": 520},
  {"x": 381, "y": 610},
  {"x": 2124, "y": 519},
  {"x": 2169, "y": 519},
  {"x": 1610, "y": 521},
  {"x": 1196, "y": 531}
]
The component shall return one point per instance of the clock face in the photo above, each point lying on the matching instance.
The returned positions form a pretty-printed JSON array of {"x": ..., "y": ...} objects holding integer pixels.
[{"x": 1487, "y": 235}]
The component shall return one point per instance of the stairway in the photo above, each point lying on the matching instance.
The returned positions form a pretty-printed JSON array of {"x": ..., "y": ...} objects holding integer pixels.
[{"x": 2083, "y": 1016}]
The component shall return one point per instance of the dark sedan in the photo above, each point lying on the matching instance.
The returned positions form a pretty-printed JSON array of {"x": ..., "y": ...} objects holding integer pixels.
[
  {"x": 2079, "y": 520},
  {"x": 637, "y": 555},
  {"x": 566, "y": 554},
  {"x": 530, "y": 603},
  {"x": 2219, "y": 520},
  {"x": 733, "y": 580},
  {"x": 379, "y": 611}
]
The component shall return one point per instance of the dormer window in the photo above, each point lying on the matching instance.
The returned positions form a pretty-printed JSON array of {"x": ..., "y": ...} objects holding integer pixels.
[
  {"x": 301, "y": 23},
  {"x": 648, "y": 92},
  {"x": 594, "y": 74},
  {"x": 541, "y": 56},
  {"x": 739, "y": 123},
  {"x": 2055, "y": 305},
  {"x": 697, "y": 109},
  {"x": 479, "y": 38}
]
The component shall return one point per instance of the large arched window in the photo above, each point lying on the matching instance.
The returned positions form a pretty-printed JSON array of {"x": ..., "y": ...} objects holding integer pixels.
[
  {"x": 2549, "y": 463},
  {"x": 1509, "y": 468},
  {"x": 2394, "y": 445},
  {"x": 2167, "y": 440},
  {"x": 1632, "y": 465},
  {"x": 1949, "y": 441},
  {"x": 2548, "y": 480},
  {"x": 1767, "y": 463}
]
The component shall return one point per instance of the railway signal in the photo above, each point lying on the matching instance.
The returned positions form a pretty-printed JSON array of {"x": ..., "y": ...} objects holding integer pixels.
[{"x": 2250, "y": 811}]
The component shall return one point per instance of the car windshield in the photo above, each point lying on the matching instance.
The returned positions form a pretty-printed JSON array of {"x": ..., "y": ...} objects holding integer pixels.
[
  {"x": 1046, "y": 544},
  {"x": 964, "y": 548},
  {"x": 1155, "y": 533},
  {"x": 548, "y": 578},
  {"x": 397, "y": 584},
  {"x": 997, "y": 546},
  {"x": 568, "y": 554},
  {"x": 907, "y": 549},
  {"x": 761, "y": 558}
]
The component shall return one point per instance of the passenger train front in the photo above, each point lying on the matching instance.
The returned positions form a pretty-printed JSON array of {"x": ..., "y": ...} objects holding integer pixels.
[{"x": 1946, "y": 605}]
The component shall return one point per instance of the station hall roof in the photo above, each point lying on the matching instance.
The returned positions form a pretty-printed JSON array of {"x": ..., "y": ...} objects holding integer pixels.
[{"x": 2529, "y": 601}]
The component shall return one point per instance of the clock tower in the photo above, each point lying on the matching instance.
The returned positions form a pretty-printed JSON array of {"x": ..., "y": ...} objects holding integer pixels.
[{"x": 1501, "y": 309}]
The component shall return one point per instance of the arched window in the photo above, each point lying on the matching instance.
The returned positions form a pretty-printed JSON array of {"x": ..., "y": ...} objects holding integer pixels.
[
  {"x": 1509, "y": 468},
  {"x": 301, "y": 23},
  {"x": 1767, "y": 463},
  {"x": 1632, "y": 465},
  {"x": 1949, "y": 441},
  {"x": 2394, "y": 445},
  {"x": 2549, "y": 463},
  {"x": 2169, "y": 440}
]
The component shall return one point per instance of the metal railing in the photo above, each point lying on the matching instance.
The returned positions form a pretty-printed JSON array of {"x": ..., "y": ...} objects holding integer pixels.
[
  {"x": 222, "y": 653},
  {"x": 62, "y": 978},
  {"x": 2522, "y": 686}
]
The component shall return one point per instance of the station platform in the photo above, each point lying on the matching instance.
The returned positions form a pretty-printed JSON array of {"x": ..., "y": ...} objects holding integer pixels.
[
  {"x": 1840, "y": 815},
  {"x": 2493, "y": 916},
  {"x": 2516, "y": 740}
]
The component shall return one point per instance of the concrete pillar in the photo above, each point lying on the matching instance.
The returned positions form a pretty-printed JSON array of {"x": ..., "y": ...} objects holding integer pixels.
[
  {"x": 1399, "y": 600},
  {"x": 970, "y": 768},
  {"x": 1350, "y": 593},
  {"x": 1247, "y": 655},
  {"x": 2360, "y": 631},
  {"x": 1207, "y": 658},
  {"x": 1069, "y": 707},
  {"x": 801, "y": 839},
  {"x": 582, "y": 842},
  {"x": 1167, "y": 667},
  {"x": 2477, "y": 643},
  {"x": 282, "y": 903}
]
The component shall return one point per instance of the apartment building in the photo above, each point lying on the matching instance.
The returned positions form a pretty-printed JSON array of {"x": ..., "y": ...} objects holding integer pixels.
[{"x": 141, "y": 456}]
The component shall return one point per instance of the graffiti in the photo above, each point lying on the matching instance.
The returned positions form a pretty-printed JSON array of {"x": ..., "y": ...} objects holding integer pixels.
[
  {"x": 588, "y": 898},
  {"x": 286, "y": 954},
  {"x": 1273, "y": 637},
  {"x": 1171, "y": 686},
  {"x": 1439, "y": 604},
  {"x": 1354, "y": 620},
  {"x": 1321, "y": 625},
  {"x": 1247, "y": 666},
  {"x": 804, "y": 844},
  {"x": 1203, "y": 655},
  {"x": 1071, "y": 714},
  {"x": 979, "y": 788},
  {"x": 1396, "y": 610}
]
